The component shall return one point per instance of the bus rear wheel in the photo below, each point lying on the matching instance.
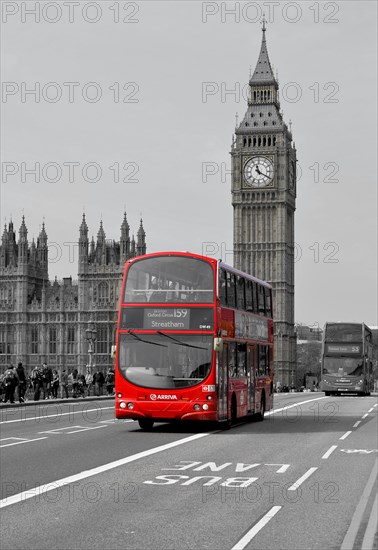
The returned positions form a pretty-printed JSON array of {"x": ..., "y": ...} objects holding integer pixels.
[{"x": 146, "y": 423}]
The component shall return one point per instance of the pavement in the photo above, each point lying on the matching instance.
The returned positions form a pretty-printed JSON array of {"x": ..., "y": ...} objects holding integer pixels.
[{"x": 31, "y": 402}]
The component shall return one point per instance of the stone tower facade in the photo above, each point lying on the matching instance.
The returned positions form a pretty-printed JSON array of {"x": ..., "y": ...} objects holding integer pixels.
[
  {"x": 263, "y": 197},
  {"x": 45, "y": 321}
]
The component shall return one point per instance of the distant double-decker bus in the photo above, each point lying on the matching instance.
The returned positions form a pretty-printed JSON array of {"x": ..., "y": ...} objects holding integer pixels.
[
  {"x": 347, "y": 361},
  {"x": 194, "y": 341}
]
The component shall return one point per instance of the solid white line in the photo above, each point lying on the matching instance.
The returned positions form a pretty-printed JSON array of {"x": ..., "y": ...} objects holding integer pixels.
[
  {"x": 329, "y": 452},
  {"x": 83, "y": 411},
  {"x": 356, "y": 424},
  {"x": 37, "y": 491},
  {"x": 274, "y": 411},
  {"x": 350, "y": 537},
  {"x": 299, "y": 482},
  {"x": 7, "y": 438},
  {"x": 371, "y": 529},
  {"x": 20, "y": 442},
  {"x": 345, "y": 435},
  {"x": 256, "y": 528},
  {"x": 365, "y": 416}
]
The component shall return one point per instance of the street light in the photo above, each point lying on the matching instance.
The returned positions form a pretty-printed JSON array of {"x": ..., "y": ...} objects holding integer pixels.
[{"x": 91, "y": 335}]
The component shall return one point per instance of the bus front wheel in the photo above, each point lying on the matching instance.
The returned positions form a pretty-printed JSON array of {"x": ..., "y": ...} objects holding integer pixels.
[
  {"x": 146, "y": 423},
  {"x": 260, "y": 415}
]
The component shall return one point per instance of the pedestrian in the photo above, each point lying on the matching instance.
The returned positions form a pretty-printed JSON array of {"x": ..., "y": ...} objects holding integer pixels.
[
  {"x": 37, "y": 380},
  {"x": 98, "y": 382},
  {"x": 55, "y": 384},
  {"x": 10, "y": 382},
  {"x": 109, "y": 381},
  {"x": 75, "y": 383},
  {"x": 64, "y": 384},
  {"x": 88, "y": 380},
  {"x": 81, "y": 383},
  {"x": 46, "y": 381},
  {"x": 21, "y": 382}
]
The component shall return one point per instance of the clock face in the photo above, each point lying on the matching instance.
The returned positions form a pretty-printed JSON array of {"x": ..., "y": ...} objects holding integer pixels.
[{"x": 258, "y": 171}]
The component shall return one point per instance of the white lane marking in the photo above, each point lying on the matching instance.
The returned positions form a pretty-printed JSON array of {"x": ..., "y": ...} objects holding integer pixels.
[
  {"x": 59, "y": 431},
  {"x": 83, "y": 429},
  {"x": 372, "y": 525},
  {"x": 83, "y": 411},
  {"x": 345, "y": 435},
  {"x": 372, "y": 409},
  {"x": 356, "y": 424},
  {"x": 8, "y": 438},
  {"x": 299, "y": 482},
  {"x": 242, "y": 543},
  {"x": 329, "y": 452},
  {"x": 350, "y": 537},
  {"x": 281, "y": 470},
  {"x": 37, "y": 491},
  {"x": 365, "y": 416},
  {"x": 88, "y": 411},
  {"x": 274, "y": 411},
  {"x": 20, "y": 442}
]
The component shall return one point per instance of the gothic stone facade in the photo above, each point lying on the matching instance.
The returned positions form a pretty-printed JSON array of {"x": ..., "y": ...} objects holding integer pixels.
[
  {"x": 263, "y": 197},
  {"x": 45, "y": 321}
]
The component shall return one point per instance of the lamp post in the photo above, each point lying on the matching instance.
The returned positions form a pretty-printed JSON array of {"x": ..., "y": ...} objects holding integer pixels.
[{"x": 91, "y": 335}]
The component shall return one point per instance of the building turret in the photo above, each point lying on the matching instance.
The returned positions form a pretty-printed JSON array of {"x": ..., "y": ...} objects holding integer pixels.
[
  {"x": 23, "y": 243},
  {"x": 42, "y": 252},
  {"x": 141, "y": 240},
  {"x": 83, "y": 242},
  {"x": 124, "y": 241},
  {"x": 101, "y": 246},
  {"x": 4, "y": 248}
]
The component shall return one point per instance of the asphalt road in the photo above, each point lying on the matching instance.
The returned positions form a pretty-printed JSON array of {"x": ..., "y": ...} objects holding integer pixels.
[{"x": 305, "y": 478}]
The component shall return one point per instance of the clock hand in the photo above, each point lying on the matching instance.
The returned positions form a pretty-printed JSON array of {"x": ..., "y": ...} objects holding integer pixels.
[{"x": 258, "y": 171}]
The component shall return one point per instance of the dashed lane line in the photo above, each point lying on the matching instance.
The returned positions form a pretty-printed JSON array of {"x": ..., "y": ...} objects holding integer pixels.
[
  {"x": 303, "y": 478},
  {"x": 246, "y": 539},
  {"x": 345, "y": 435},
  {"x": 329, "y": 452}
]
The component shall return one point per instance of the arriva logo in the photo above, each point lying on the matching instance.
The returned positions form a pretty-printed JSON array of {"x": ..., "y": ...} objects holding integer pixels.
[{"x": 154, "y": 397}]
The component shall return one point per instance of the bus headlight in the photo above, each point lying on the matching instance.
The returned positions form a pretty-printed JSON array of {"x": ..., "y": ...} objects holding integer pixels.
[
  {"x": 205, "y": 407},
  {"x": 119, "y": 394},
  {"x": 122, "y": 405},
  {"x": 197, "y": 407},
  {"x": 130, "y": 405}
]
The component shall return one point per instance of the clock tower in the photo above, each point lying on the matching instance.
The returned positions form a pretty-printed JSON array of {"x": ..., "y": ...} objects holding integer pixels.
[{"x": 263, "y": 174}]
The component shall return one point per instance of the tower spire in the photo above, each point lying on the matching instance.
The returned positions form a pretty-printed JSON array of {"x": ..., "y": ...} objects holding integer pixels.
[{"x": 263, "y": 73}]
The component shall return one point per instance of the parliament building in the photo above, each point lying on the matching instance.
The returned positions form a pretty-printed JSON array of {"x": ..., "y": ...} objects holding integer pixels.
[{"x": 46, "y": 321}]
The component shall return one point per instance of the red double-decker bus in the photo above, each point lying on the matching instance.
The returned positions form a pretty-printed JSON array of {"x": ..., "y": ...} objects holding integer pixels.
[{"x": 194, "y": 341}]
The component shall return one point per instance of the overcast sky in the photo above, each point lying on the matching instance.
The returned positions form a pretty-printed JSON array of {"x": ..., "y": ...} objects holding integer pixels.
[{"x": 142, "y": 96}]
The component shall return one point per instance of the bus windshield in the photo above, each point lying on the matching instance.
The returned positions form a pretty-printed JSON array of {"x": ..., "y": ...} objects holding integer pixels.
[
  {"x": 165, "y": 361},
  {"x": 169, "y": 279},
  {"x": 343, "y": 366},
  {"x": 343, "y": 332}
]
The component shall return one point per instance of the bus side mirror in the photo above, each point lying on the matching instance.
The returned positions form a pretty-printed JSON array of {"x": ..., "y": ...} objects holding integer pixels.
[{"x": 218, "y": 344}]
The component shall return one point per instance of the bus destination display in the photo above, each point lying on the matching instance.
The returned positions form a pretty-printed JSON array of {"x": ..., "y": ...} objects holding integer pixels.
[{"x": 149, "y": 318}]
